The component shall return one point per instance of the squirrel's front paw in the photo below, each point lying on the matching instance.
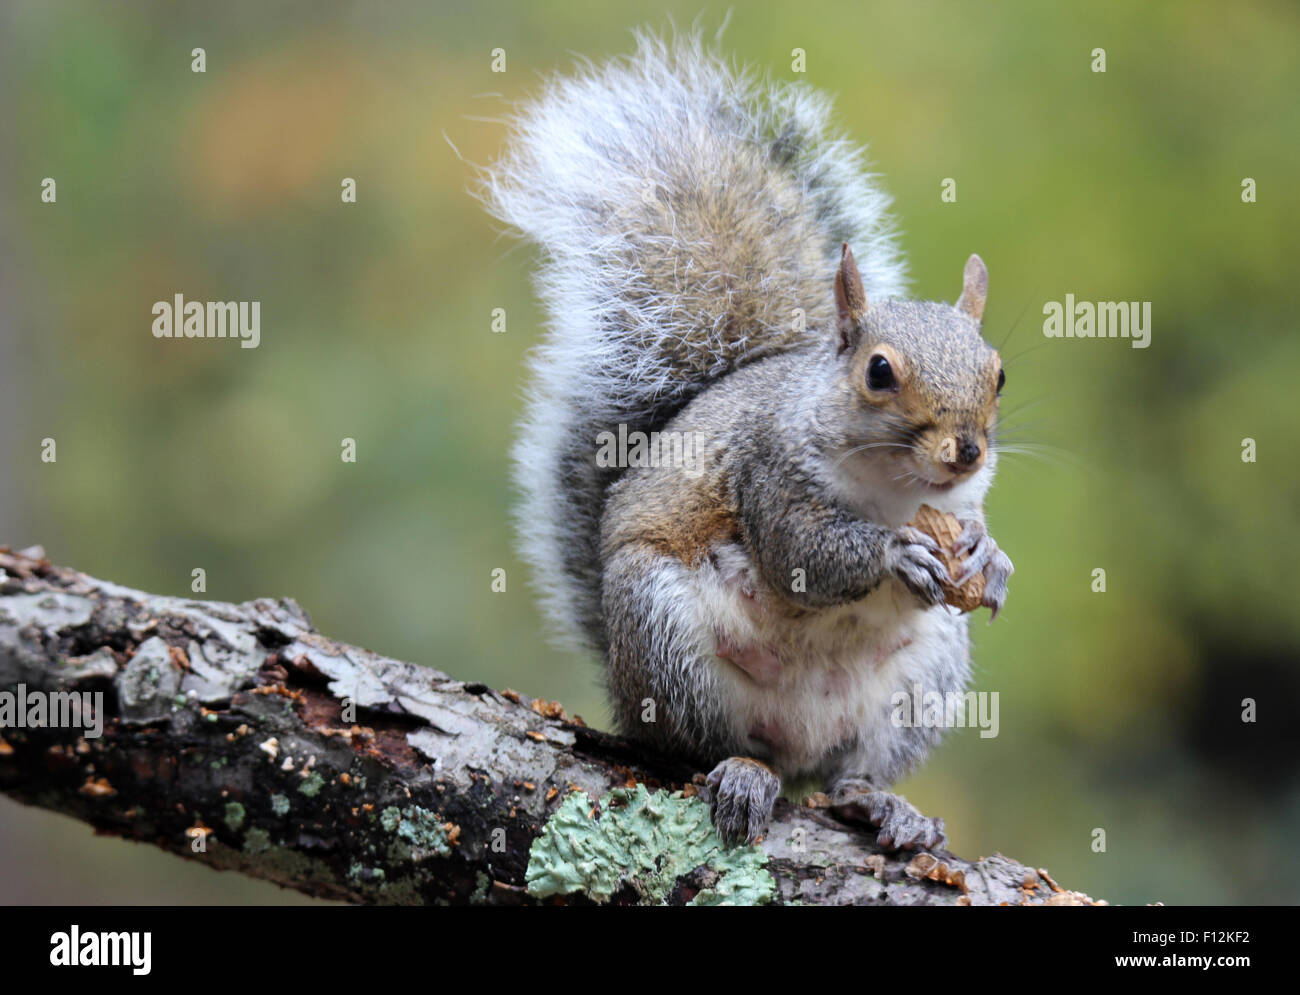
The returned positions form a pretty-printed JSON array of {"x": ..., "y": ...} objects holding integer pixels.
[
  {"x": 901, "y": 826},
  {"x": 913, "y": 560},
  {"x": 985, "y": 557},
  {"x": 741, "y": 794}
]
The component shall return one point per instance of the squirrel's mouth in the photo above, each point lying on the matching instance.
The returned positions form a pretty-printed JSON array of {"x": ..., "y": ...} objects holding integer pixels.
[{"x": 947, "y": 484}]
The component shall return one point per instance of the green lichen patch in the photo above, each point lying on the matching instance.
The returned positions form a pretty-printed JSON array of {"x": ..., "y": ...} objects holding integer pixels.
[
  {"x": 400, "y": 892},
  {"x": 390, "y": 818},
  {"x": 644, "y": 839},
  {"x": 481, "y": 885},
  {"x": 280, "y": 804},
  {"x": 256, "y": 841},
  {"x": 359, "y": 873},
  {"x": 311, "y": 785},
  {"x": 420, "y": 834},
  {"x": 281, "y": 863},
  {"x": 234, "y": 815}
]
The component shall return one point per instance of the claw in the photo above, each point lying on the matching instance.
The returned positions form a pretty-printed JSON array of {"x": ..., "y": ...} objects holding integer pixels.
[
  {"x": 998, "y": 572},
  {"x": 984, "y": 550},
  {"x": 915, "y": 537},
  {"x": 969, "y": 537},
  {"x": 917, "y": 566}
]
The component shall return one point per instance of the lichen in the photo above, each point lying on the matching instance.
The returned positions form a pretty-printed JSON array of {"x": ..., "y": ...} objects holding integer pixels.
[
  {"x": 280, "y": 804},
  {"x": 234, "y": 815},
  {"x": 148, "y": 686},
  {"x": 359, "y": 873},
  {"x": 419, "y": 835},
  {"x": 400, "y": 892},
  {"x": 311, "y": 785},
  {"x": 282, "y": 863},
  {"x": 646, "y": 840},
  {"x": 256, "y": 841}
]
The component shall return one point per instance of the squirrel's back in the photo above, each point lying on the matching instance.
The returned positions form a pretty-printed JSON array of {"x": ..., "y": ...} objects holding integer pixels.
[{"x": 690, "y": 218}]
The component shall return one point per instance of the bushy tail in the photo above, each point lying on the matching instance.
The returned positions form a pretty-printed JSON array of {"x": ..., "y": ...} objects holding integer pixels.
[{"x": 690, "y": 218}]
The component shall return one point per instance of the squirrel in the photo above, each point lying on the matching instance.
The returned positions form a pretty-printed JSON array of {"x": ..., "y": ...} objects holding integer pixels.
[{"x": 758, "y": 610}]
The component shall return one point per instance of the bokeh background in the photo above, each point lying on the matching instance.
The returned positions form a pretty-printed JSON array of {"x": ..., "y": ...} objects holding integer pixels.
[{"x": 1118, "y": 710}]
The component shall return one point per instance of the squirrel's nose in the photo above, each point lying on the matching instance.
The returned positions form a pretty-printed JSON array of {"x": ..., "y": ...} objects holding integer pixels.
[{"x": 968, "y": 453}]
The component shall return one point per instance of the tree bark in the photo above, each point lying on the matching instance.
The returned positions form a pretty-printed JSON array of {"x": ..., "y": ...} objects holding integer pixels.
[{"x": 239, "y": 736}]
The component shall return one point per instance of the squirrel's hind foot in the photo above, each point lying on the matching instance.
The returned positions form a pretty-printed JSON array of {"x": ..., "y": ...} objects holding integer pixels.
[
  {"x": 901, "y": 826},
  {"x": 741, "y": 793}
]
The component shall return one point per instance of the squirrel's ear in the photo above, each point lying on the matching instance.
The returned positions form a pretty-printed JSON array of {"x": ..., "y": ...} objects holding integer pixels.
[
  {"x": 850, "y": 299},
  {"x": 974, "y": 288}
]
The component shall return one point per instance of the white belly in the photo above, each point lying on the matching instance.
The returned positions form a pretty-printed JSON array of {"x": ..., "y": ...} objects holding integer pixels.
[{"x": 802, "y": 685}]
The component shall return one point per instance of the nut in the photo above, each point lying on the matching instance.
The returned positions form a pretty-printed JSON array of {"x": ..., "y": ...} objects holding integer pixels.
[{"x": 944, "y": 529}]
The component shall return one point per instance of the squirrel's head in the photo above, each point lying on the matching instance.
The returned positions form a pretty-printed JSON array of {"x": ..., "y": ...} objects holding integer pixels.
[{"x": 922, "y": 381}]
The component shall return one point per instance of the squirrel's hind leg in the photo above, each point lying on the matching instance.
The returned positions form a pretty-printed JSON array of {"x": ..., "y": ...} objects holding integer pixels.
[{"x": 660, "y": 655}]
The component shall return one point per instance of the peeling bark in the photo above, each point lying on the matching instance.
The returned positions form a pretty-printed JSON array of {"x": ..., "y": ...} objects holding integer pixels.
[{"x": 239, "y": 736}]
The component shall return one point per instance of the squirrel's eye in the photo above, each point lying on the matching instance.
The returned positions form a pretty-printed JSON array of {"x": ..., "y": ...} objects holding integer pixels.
[
  {"x": 880, "y": 375},
  {"x": 1002, "y": 380}
]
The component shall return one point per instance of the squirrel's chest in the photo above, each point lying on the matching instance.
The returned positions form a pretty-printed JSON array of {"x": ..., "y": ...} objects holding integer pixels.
[{"x": 801, "y": 684}]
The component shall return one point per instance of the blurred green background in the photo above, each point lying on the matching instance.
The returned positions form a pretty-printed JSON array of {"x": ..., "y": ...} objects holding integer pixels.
[{"x": 1119, "y": 710}]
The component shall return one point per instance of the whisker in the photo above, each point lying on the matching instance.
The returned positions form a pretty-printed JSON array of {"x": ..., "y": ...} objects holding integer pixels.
[
  {"x": 1007, "y": 338},
  {"x": 870, "y": 445},
  {"x": 1053, "y": 455},
  {"x": 1025, "y": 352}
]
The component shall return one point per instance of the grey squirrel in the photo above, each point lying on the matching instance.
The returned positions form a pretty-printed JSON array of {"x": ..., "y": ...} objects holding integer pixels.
[{"x": 756, "y": 611}]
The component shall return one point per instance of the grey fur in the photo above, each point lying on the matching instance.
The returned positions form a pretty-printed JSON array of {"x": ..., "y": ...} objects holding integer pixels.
[
  {"x": 685, "y": 210},
  {"x": 741, "y": 792},
  {"x": 901, "y": 826}
]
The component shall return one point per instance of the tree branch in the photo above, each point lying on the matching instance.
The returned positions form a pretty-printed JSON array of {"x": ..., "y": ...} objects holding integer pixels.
[{"x": 239, "y": 736}]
